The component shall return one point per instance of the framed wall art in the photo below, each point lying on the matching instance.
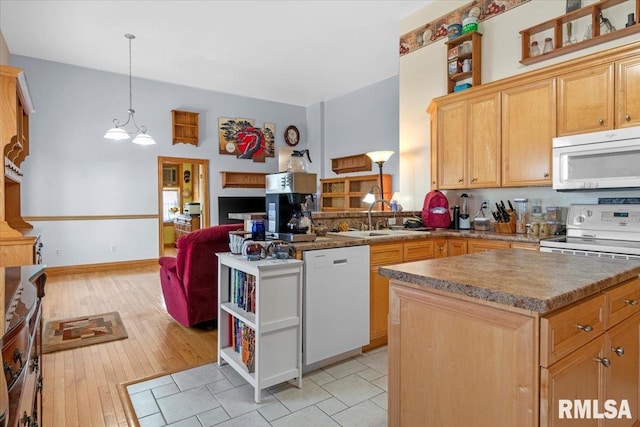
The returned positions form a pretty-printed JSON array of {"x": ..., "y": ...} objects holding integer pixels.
[{"x": 239, "y": 137}]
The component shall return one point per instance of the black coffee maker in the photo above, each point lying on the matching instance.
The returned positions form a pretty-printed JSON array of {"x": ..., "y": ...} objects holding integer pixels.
[{"x": 288, "y": 218}]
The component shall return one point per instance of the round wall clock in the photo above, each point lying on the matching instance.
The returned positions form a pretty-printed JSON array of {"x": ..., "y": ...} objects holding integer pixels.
[{"x": 292, "y": 136}]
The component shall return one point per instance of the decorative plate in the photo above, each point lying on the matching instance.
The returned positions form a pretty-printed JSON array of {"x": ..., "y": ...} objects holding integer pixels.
[{"x": 292, "y": 136}]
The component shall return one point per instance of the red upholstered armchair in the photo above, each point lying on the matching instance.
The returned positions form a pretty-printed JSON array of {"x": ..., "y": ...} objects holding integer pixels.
[{"x": 190, "y": 280}]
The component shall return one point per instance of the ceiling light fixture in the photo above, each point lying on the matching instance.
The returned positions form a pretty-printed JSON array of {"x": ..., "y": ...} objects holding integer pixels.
[{"x": 118, "y": 131}]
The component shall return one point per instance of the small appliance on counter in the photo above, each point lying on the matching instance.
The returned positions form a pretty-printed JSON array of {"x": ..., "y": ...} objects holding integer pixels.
[
  {"x": 192, "y": 208},
  {"x": 288, "y": 217},
  {"x": 465, "y": 218}
]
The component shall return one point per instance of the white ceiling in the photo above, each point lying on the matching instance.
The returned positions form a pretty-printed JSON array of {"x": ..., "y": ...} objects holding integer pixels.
[{"x": 296, "y": 52}]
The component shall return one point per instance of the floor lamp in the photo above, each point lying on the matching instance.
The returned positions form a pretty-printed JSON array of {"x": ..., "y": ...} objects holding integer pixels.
[{"x": 380, "y": 157}]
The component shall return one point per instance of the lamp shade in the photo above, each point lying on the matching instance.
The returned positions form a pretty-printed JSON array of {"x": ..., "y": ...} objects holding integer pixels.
[
  {"x": 116, "y": 134},
  {"x": 379, "y": 156},
  {"x": 143, "y": 139},
  {"x": 369, "y": 198}
]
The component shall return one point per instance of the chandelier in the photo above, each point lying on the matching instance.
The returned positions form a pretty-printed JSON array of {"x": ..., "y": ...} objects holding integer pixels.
[{"x": 118, "y": 132}]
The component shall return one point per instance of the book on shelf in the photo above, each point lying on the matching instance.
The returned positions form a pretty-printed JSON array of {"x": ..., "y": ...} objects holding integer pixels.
[
  {"x": 242, "y": 289},
  {"x": 243, "y": 341}
]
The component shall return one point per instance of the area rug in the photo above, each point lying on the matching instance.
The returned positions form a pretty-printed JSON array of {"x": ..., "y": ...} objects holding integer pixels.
[{"x": 82, "y": 331}]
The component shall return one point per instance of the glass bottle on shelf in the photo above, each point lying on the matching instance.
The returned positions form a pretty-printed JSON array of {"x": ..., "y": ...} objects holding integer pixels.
[
  {"x": 535, "y": 50},
  {"x": 548, "y": 45}
]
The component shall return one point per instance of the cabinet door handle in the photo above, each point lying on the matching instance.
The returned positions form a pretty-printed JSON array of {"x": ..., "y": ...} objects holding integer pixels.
[
  {"x": 546, "y": 175},
  {"x": 618, "y": 350},
  {"x": 605, "y": 362},
  {"x": 631, "y": 301},
  {"x": 585, "y": 328},
  {"x": 627, "y": 118},
  {"x": 474, "y": 179},
  {"x": 601, "y": 121},
  {"x": 461, "y": 179}
]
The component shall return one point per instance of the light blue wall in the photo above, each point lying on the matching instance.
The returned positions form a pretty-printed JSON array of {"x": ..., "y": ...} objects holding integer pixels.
[
  {"x": 73, "y": 171},
  {"x": 361, "y": 121}
]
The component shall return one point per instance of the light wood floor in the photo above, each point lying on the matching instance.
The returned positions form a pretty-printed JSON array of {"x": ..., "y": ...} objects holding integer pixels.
[{"x": 80, "y": 385}]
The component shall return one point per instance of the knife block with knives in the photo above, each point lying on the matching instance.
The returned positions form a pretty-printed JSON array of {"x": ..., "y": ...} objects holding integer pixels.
[{"x": 505, "y": 219}]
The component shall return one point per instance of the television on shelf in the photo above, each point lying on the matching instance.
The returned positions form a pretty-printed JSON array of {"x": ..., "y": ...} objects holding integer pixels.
[{"x": 229, "y": 204}]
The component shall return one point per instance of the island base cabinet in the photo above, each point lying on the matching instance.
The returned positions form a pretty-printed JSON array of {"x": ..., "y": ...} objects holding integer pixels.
[
  {"x": 455, "y": 363},
  {"x": 607, "y": 368}
]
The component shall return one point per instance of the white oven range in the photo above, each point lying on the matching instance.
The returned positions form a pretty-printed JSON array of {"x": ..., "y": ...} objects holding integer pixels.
[{"x": 599, "y": 230}]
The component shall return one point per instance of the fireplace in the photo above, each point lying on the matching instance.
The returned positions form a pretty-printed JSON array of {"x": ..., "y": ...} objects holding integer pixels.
[{"x": 227, "y": 205}]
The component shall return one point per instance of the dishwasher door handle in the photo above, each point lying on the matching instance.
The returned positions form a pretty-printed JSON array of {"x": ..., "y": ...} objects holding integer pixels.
[{"x": 340, "y": 261}]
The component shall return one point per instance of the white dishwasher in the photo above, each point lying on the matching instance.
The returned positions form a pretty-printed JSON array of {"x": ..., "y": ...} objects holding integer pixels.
[{"x": 335, "y": 302}]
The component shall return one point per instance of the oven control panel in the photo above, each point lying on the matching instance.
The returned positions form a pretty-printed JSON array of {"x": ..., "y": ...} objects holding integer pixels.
[{"x": 590, "y": 219}]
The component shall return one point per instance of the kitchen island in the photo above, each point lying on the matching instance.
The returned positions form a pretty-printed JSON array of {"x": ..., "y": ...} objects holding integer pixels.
[{"x": 502, "y": 338}]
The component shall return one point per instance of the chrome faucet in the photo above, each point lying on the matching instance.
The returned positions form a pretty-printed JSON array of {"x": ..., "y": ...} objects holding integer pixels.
[{"x": 371, "y": 206}]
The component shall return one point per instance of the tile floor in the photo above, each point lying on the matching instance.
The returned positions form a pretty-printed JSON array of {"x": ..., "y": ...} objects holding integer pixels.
[{"x": 352, "y": 392}]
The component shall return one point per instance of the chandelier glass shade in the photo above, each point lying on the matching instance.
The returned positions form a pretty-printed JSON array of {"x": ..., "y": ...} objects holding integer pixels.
[{"x": 119, "y": 131}]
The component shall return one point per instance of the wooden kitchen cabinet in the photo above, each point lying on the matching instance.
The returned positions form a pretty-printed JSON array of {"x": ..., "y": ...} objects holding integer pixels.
[
  {"x": 585, "y": 100},
  {"x": 484, "y": 141},
  {"x": 380, "y": 254},
  {"x": 627, "y": 97},
  {"x": 440, "y": 248},
  {"x": 591, "y": 350},
  {"x": 480, "y": 245},
  {"x": 456, "y": 247},
  {"x": 439, "y": 357},
  {"x": 469, "y": 143},
  {"x": 451, "y": 134},
  {"x": 444, "y": 372},
  {"x": 528, "y": 126}
]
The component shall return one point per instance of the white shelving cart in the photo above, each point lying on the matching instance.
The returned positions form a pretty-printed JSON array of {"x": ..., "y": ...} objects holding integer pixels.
[{"x": 260, "y": 305}]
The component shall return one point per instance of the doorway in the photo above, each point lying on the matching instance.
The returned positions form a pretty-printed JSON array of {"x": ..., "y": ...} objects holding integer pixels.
[{"x": 180, "y": 181}]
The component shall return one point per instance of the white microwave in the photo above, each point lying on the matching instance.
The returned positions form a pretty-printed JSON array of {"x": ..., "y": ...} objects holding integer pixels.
[{"x": 597, "y": 160}]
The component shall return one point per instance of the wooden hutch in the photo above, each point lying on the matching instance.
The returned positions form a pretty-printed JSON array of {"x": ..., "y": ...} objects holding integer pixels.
[{"x": 19, "y": 244}]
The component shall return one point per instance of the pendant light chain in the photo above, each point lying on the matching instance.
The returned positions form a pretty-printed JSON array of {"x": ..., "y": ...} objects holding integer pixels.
[
  {"x": 130, "y": 37},
  {"x": 130, "y": 91}
]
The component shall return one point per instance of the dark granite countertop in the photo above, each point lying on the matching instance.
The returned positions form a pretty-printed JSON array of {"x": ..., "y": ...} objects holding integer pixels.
[
  {"x": 530, "y": 280},
  {"x": 336, "y": 240}
]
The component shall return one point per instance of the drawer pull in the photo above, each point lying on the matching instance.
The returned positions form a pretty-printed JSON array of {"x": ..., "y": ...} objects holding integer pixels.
[
  {"x": 618, "y": 350},
  {"x": 585, "y": 328},
  {"x": 631, "y": 301},
  {"x": 605, "y": 362}
]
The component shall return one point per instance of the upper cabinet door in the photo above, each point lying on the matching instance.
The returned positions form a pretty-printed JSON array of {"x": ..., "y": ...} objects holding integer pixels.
[
  {"x": 585, "y": 100},
  {"x": 528, "y": 126},
  {"x": 451, "y": 145},
  {"x": 484, "y": 141},
  {"x": 628, "y": 92}
]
